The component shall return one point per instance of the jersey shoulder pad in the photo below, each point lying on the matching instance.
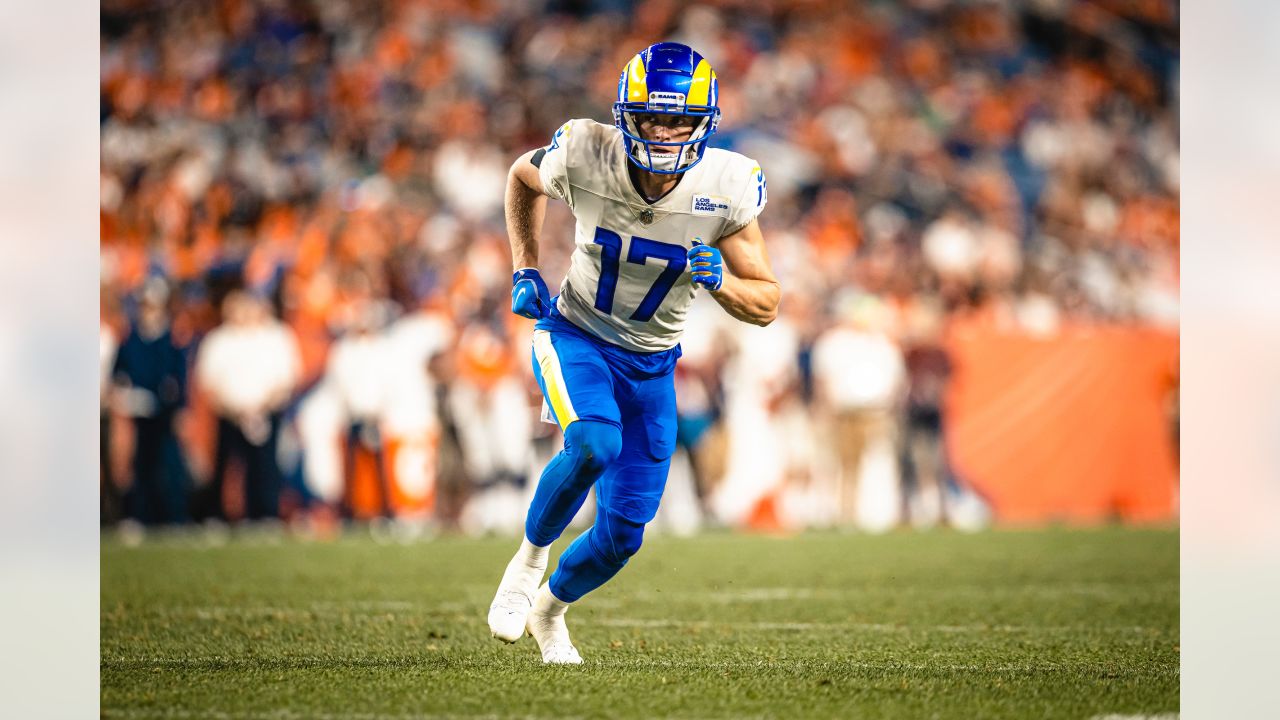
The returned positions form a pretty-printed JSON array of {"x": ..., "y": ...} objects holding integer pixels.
[
  {"x": 554, "y": 162},
  {"x": 572, "y": 158},
  {"x": 579, "y": 139},
  {"x": 741, "y": 179}
]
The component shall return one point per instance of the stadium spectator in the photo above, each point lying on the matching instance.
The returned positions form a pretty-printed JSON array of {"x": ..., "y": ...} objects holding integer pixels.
[
  {"x": 759, "y": 378},
  {"x": 358, "y": 376},
  {"x": 411, "y": 419},
  {"x": 249, "y": 367},
  {"x": 150, "y": 373},
  {"x": 490, "y": 405},
  {"x": 700, "y": 403},
  {"x": 859, "y": 378},
  {"x": 924, "y": 459}
]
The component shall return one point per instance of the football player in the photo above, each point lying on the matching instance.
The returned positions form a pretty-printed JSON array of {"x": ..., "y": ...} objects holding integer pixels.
[{"x": 659, "y": 216}]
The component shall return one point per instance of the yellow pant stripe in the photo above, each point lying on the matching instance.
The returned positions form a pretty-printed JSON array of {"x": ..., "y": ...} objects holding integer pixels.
[{"x": 553, "y": 378}]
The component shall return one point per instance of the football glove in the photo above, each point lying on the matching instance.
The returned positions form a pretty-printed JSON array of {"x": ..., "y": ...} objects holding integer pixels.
[
  {"x": 529, "y": 295},
  {"x": 706, "y": 266}
]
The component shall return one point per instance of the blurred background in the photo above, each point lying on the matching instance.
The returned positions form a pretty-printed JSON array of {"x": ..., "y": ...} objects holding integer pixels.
[{"x": 305, "y": 277}]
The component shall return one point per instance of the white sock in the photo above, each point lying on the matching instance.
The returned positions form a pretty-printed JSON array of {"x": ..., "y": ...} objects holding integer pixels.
[
  {"x": 528, "y": 566},
  {"x": 546, "y": 603},
  {"x": 532, "y": 556}
]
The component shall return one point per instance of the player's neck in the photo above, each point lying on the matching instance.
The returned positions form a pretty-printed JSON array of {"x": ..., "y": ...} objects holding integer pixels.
[{"x": 652, "y": 186}]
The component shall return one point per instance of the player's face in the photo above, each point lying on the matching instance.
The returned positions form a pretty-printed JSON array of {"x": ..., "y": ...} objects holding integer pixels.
[{"x": 666, "y": 128}]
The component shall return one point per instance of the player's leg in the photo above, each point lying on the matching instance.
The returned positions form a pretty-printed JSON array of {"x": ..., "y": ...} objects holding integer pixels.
[
  {"x": 590, "y": 447},
  {"x": 627, "y": 498},
  {"x": 578, "y": 387},
  {"x": 598, "y": 554}
]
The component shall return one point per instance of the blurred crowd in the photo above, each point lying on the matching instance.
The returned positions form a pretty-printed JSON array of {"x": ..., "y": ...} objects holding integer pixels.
[{"x": 305, "y": 271}]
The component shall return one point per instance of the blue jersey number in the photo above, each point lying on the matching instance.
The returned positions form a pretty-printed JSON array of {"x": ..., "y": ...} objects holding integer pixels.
[{"x": 641, "y": 250}]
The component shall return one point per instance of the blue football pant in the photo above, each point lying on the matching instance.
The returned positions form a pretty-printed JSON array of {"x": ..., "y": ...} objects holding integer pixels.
[
  {"x": 594, "y": 454},
  {"x": 621, "y": 443}
]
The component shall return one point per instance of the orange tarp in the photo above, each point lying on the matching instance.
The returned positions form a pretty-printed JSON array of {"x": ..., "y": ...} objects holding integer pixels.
[{"x": 1075, "y": 427}]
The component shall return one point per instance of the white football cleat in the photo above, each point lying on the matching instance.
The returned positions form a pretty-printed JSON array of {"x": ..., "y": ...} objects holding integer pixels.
[
  {"x": 514, "y": 599},
  {"x": 561, "y": 654},
  {"x": 546, "y": 626},
  {"x": 508, "y": 613}
]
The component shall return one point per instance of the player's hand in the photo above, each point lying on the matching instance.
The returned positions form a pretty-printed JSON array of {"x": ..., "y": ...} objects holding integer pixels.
[
  {"x": 529, "y": 295},
  {"x": 706, "y": 266}
]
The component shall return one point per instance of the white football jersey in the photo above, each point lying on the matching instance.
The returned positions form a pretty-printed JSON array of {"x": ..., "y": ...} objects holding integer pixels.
[{"x": 628, "y": 280}]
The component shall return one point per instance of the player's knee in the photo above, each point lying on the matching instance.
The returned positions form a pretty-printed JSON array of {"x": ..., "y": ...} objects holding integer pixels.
[
  {"x": 630, "y": 539},
  {"x": 623, "y": 539},
  {"x": 595, "y": 444}
]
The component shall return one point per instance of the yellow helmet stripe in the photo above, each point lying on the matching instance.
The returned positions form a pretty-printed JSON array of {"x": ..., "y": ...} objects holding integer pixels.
[
  {"x": 700, "y": 85},
  {"x": 637, "y": 85}
]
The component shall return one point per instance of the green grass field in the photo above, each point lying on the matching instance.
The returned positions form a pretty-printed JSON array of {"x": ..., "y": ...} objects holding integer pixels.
[{"x": 1002, "y": 624}]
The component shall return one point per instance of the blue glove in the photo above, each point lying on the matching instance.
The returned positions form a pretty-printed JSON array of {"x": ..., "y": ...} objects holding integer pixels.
[
  {"x": 529, "y": 295},
  {"x": 706, "y": 265}
]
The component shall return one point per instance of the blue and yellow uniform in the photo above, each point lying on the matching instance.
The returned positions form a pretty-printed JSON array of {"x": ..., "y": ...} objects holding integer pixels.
[{"x": 605, "y": 355}]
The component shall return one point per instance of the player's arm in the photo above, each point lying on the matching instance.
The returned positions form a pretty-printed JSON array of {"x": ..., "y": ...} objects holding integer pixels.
[
  {"x": 526, "y": 206},
  {"x": 748, "y": 291}
]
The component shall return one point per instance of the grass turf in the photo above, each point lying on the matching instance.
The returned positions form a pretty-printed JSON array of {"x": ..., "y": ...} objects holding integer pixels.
[{"x": 1003, "y": 624}]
